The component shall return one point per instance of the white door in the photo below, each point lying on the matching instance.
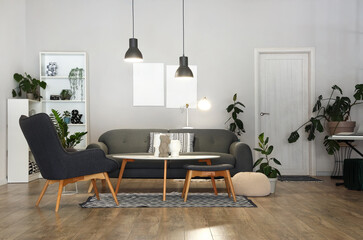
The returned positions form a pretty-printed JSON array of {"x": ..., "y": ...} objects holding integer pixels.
[{"x": 283, "y": 103}]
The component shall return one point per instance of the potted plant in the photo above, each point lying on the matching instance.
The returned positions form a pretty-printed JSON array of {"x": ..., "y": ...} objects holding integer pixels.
[
  {"x": 66, "y": 94},
  {"x": 264, "y": 162},
  {"x": 236, "y": 126},
  {"x": 28, "y": 85},
  {"x": 67, "y": 117},
  {"x": 335, "y": 110},
  {"x": 68, "y": 142}
]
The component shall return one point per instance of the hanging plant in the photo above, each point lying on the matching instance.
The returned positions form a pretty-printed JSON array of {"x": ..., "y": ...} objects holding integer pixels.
[{"x": 76, "y": 80}]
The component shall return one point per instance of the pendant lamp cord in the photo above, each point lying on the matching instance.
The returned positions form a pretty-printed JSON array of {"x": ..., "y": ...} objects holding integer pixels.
[
  {"x": 133, "y": 20},
  {"x": 183, "y": 28}
]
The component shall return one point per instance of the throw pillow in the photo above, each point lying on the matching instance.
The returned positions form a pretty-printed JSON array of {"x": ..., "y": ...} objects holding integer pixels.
[{"x": 186, "y": 140}]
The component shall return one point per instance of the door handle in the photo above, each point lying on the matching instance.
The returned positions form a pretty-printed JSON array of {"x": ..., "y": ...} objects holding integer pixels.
[{"x": 263, "y": 113}]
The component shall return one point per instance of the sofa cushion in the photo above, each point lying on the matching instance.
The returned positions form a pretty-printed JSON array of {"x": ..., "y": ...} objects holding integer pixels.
[
  {"x": 186, "y": 140},
  {"x": 128, "y": 140},
  {"x": 139, "y": 164},
  {"x": 224, "y": 159},
  {"x": 210, "y": 140}
]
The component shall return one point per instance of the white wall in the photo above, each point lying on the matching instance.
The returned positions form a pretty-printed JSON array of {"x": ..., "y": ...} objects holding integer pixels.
[
  {"x": 220, "y": 39},
  {"x": 12, "y": 53}
]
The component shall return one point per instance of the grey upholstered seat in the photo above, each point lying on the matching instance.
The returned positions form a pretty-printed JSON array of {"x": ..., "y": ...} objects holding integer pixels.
[
  {"x": 219, "y": 167},
  {"x": 57, "y": 165}
]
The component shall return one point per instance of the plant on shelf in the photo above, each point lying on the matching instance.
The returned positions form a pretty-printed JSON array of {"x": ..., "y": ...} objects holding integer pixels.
[
  {"x": 236, "y": 126},
  {"x": 67, "y": 117},
  {"x": 335, "y": 110},
  {"x": 62, "y": 130},
  {"x": 266, "y": 150},
  {"x": 75, "y": 80},
  {"x": 29, "y": 85},
  {"x": 66, "y": 94}
]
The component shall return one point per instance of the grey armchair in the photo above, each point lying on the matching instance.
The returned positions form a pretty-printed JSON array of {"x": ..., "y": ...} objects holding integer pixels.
[{"x": 58, "y": 166}]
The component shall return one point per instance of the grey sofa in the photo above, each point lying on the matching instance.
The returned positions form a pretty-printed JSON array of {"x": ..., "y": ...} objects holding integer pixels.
[{"x": 206, "y": 141}]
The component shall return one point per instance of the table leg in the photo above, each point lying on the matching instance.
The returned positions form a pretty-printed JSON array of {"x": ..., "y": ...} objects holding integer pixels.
[
  {"x": 124, "y": 161},
  {"x": 164, "y": 189}
]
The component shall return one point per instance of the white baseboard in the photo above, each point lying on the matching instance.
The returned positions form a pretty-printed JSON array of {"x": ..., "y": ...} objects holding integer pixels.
[
  {"x": 3, "y": 181},
  {"x": 323, "y": 173}
]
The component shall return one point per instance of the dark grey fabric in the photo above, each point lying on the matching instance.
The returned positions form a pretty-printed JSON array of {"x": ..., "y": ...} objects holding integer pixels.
[
  {"x": 216, "y": 142},
  {"x": 243, "y": 155},
  {"x": 99, "y": 145},
  {"x": 210, "y": 140},
  {"x": 53, "y": 161},
  {"x": 219, "y": 167},
  {"x": 225, "y": 158},
  {"x": 128, "y": 140}
]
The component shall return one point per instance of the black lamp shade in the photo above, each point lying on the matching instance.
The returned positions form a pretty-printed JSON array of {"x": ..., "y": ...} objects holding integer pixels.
[
  {"x": 133, "y": 54},
  {"x": 183, "y": 71}
]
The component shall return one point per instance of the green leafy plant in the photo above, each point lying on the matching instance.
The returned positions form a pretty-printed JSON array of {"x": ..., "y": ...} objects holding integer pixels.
[
  {"x": 27, "y": 84},
  {"x": 335, "y": 108},
  {"x": 62, "y": 130},
  {"x": 66, "y": 114},
  {"x": 266, "y": 150},
  {"x": 75, "y": 77},
  {"x": 236, "y": 126},
  {"x": 66, "y": 94}
]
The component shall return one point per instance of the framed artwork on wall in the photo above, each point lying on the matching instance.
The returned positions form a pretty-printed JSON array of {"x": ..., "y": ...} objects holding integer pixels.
[
  {"x": 148, "y": 84},
  {"x": 180, "y": 92}
]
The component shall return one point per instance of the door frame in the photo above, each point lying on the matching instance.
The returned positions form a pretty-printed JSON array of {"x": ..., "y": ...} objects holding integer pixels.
[{"x": 311, "y": 76}]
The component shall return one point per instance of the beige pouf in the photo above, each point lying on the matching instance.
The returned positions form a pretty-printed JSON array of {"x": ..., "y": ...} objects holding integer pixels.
[{"x": 251, "y": 184}]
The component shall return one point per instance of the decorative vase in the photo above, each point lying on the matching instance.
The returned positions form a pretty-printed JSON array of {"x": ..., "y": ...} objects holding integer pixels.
[
  {"x": 342, "y": 126},
  {"x": 174, "y": 148},
  {"x": 67, "y": 120},
  {"x": 272, "y": 184}
]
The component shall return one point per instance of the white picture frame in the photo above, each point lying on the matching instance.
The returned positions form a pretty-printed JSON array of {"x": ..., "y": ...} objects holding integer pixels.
[
  {"x": 148, "y": 84},
  {"x": 180, "y": 92}
]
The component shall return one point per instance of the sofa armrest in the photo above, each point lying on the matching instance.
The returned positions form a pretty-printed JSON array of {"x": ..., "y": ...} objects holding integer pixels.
[
  {"x": 243, "y": 155},
  {"x": 99, "y": 145}
]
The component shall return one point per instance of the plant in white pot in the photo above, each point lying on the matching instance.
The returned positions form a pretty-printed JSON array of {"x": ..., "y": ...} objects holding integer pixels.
[{"x": 265, "y": 161}]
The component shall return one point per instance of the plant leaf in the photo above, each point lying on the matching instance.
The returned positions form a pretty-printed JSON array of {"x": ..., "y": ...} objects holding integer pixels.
[
  {"x": 261, "y": 137},
  {"x": 257, "y": 162},
  {"x": 335, "y": 87},
  {"x": 317, "y": 105},
  {"x": 331, "y": 146},
  {"x": 235, "y": 97},
  {"x": 358, "y": 93},
  {"x": 276, "y": 161},
  {"x": 267, "y": 170},
  {"x": 18, "y": 77},
  {"x": 230, "y": 107},
  {"x": 294, "y": 136},
  {"x": 269, "y": 150}
]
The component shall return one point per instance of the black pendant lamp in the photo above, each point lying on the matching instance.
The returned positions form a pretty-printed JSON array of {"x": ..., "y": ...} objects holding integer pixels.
[
  {"x": 183, "y": 71},
  {"x": 133, "y": 54}
]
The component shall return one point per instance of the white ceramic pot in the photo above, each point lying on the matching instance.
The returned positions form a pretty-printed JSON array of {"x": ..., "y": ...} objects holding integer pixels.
[
  {"x": 273, "y": 184},
  {"x": 174, "y": 148},
  {"x": 30, "y": 96}
]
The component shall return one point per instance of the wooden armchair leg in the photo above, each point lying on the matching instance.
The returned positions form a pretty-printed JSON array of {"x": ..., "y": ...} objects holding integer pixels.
[
  {"x": 110, "y": 187},
  {"x": 42, "y": 193},
  {"x": 227, "y": 186},
  {"x": 60, "y": 189},
  {"x": 95, "y": 188},
  {"x": 90, "y": 187},
  {"x": 230, "y": 184}
]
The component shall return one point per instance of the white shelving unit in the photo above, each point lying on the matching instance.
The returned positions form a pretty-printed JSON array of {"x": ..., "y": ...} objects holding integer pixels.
[
  {"x": 66, "y": 61},
  {"x": 19, "y": 154}
]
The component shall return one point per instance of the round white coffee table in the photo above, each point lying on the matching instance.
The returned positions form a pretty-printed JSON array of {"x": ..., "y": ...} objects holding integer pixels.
[{"x": 134, "y": 157}]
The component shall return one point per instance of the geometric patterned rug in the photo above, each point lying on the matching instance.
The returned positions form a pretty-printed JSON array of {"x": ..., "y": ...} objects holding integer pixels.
[
  {"x": 173, "y": 200},
  {"x": 298, "y": 178}
]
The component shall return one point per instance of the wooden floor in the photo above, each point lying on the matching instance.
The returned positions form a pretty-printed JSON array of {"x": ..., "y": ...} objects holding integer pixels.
[{"x": 298, "y": 210}]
